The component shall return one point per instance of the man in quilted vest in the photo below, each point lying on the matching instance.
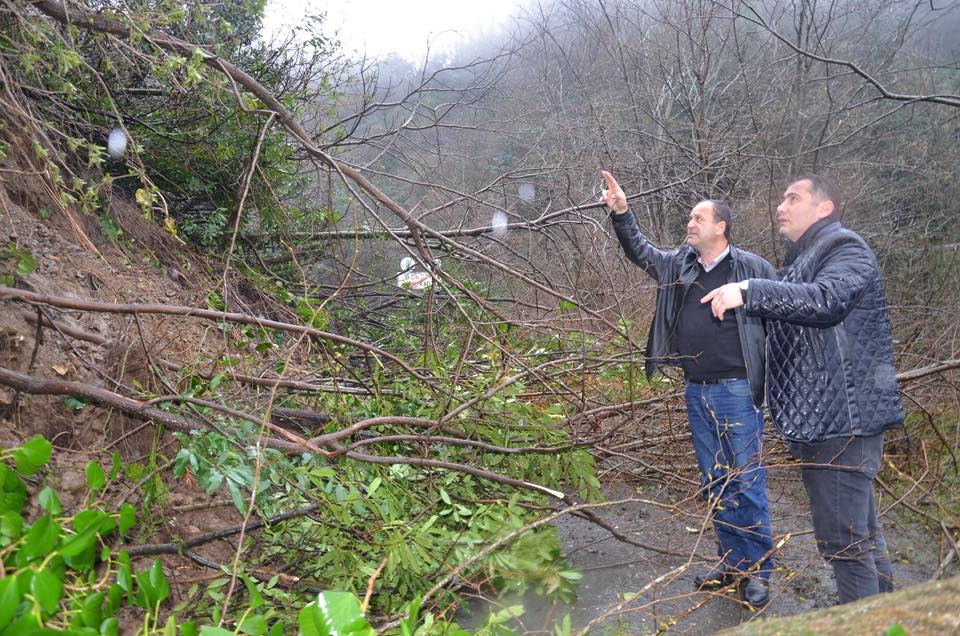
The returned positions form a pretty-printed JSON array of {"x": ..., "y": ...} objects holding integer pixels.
[
  {"x": 723, "y": 365},
  {"x": 831, "y": 383}
]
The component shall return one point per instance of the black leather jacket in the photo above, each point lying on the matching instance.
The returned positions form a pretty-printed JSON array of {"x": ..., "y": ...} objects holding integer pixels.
[
  {"x": 830, "y": 366},
  {"x": 674, "y": 271}
]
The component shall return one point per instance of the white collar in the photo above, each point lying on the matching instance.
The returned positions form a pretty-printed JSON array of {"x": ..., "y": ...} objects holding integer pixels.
[{"x": 708, "y": 266}]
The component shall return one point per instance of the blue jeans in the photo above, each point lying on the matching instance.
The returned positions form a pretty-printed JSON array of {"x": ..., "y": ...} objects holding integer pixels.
[
  {"x": 727, "y": 439},
  {"x": 838, "y": 474}
]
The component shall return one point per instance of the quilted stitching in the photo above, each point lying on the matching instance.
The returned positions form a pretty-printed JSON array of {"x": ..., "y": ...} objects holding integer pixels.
[{"x": 831, "y": 381}]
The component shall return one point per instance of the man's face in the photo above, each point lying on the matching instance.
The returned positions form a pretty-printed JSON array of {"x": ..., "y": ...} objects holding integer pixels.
[
  {"x": 800, "y": 209},
  {"x": 703, "y": 230}
]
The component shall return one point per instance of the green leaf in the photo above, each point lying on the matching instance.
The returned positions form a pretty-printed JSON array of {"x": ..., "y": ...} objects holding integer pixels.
[
  {"x": 159, "y": 582},
  {"x": 47, "y": 589},
  {"x": 11, "y": 527},
  {"x": 566, "y": 304},
  {"x": 110, "y": 627},
  {"x": 90, "y": 610},
  {"x": 188, "y": 628},
  {"x": 237, "y": 496},
  {"x": 13, "y": 494},
  {"x": 896, "y": 630},
  {"x": 313, "y": 315},
  {"x": 115, "y": 466},
  {"x": 95, "y": 477},
  {"x": 334, "y": 613},
  {"x": 74, "y": 403},
  {"x": 216, "y": 631},
  {"x": 145, "y": 592},
  {"x": 27, "y": 624},
  {"x": 216, "y": 380},
  {"x": 255, "y": 625},
  {"x": 80, "y": 549},
  {"x": 409, "y": 625},
  {"x": 128, "y": 516},
  {"x": 25, "y": 264},
  {"x": 48, "y": 501},
  {"x": 256, "y": 599},
  {"x": 124, "y": 574},
  {"x": 9, "y": 599},
  {"x": 32, "y": 455},
  {"x": 40, "y": 539},
  {"x": 115, "y": 594}
]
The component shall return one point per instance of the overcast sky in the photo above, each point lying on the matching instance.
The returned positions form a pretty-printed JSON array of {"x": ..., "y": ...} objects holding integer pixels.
[{"x": 399, "y": 26}]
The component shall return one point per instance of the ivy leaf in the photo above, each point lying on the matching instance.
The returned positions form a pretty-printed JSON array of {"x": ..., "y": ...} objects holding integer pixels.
[{"x": 32, "y": 455}]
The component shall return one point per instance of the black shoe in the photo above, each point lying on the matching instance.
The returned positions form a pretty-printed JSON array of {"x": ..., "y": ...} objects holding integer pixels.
[
  {"x": 715, "y": 579},
  {"x": 754, "y": 592}
]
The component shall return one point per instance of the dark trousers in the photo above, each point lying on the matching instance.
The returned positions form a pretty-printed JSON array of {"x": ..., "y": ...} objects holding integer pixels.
[
  {"x": 838, "y": 475},
  {"x": 727, "y": 432}
]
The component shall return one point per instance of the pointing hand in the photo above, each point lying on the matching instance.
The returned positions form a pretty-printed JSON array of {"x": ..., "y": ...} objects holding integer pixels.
[
  {"x": 613, "y": 195},
  {"x": 723, "y": 298}
]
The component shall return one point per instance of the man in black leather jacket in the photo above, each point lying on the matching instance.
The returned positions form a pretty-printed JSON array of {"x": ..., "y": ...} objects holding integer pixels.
[
  {"x": 831, "y": 382},
  {"x": 723, "y": 363}
]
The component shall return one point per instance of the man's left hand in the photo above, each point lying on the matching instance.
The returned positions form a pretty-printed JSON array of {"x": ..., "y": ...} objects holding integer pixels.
[{"x": 723, "y": 298}]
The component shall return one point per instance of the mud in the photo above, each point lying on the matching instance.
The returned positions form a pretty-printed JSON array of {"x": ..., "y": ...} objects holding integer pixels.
[{"x": 659, "y": 586}]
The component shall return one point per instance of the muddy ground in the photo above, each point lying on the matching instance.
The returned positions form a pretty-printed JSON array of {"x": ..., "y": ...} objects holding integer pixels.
[{"x": 614, "y": 571}]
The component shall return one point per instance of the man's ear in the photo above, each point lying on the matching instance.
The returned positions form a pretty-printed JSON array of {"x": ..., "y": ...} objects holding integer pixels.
[
  {"x": 721, "y": 228},
  {"x": 824, "y": 209}
]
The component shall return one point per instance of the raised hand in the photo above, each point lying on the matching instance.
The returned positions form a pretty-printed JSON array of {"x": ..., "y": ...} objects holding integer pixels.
[{"x": 612, "y": 195}]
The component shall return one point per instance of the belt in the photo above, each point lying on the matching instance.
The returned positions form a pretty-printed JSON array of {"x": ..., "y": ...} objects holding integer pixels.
[{"x": 715, "y": 380}]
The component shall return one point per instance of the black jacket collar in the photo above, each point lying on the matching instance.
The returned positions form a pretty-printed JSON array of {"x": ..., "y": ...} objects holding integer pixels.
[{"x": 795, "y": 248}]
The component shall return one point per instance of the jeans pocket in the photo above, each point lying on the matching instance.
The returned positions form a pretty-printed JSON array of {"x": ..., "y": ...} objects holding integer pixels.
[{"x": 738, "y": 389}]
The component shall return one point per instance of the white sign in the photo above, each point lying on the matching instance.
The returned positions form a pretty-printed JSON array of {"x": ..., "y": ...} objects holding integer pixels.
[{"x": 415, "y": 280}]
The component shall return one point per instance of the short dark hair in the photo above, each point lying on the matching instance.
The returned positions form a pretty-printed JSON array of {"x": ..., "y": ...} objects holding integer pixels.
[
  {"x": 823, "y": 188},
  {"x": 722, "y": 212}
]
